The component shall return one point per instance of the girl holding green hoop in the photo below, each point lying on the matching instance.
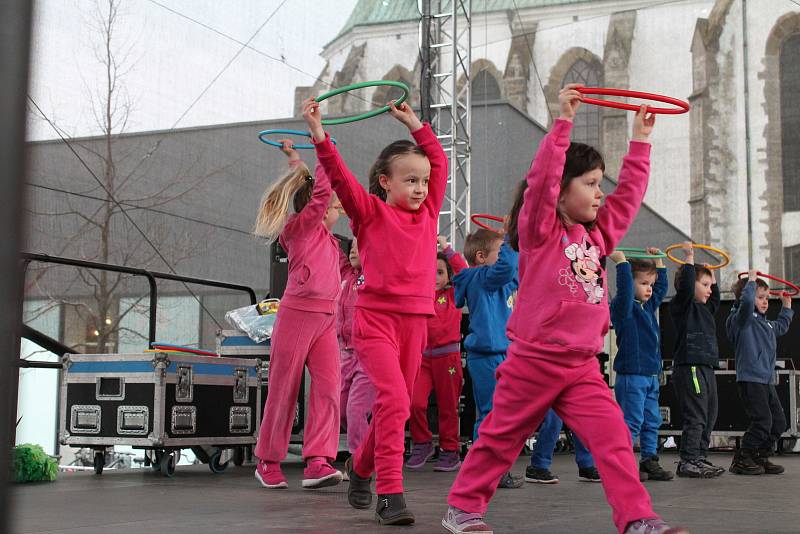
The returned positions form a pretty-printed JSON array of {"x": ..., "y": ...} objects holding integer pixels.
[{"x": 395, "y": 224}]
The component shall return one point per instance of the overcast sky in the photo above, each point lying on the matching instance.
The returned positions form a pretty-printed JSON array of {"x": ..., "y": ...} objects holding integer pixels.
[{"x": 173, "y": 59}]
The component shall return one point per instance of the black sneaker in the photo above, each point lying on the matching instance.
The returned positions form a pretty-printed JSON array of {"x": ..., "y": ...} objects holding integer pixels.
[
  {"x": 588, "y": 474},
  {"x": 744, "y": 463},
  {"x": 359, "y": 494},
  {"x": 539, "y": 476},
  {"x": 761, "y": 457},
  {"x": 695, "y": 468},
  {"x": 653, "y": 469},
  {"x": 392, "y": 510},
  {"x": 509, "y": 481}
]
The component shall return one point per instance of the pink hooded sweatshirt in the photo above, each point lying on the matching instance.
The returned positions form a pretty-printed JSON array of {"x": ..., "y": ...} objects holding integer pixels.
[
  {"x": 314, "y": 280},
  {"x": 397, "y": 246},
  {"x": 562, "y": 307}
]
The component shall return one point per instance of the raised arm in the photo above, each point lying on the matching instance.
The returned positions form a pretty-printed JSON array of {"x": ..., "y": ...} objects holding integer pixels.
[
  {"x": 622, "y": 303},
  {"x": 312, "y": 214},
  {"x": 455, "y": 259},
  {"x": 714, "y": 300},
  {"x": 437, "y": 185},
  {"x": 355, "y": 200},
  {"x": 784, "y": 319},
  {"x": 660, "y": 288},
  {"x": 502, "y": 272},
  {"x": 684, "y": 293},
  {"x": 747, "y": 302}
]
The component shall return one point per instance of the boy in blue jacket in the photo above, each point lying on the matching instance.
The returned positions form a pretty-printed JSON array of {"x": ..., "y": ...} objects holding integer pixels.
[
  {"x": 488, "y": 288},
  {"x": 641, "y": 287},
  {"x": 755, "y": 340}
]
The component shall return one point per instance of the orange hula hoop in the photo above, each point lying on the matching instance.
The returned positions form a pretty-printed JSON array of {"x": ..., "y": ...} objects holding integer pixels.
[{"x": 726, "y": 259}]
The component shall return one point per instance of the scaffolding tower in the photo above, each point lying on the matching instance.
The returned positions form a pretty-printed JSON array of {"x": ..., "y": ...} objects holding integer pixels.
[{"x": 446, "y": 58}]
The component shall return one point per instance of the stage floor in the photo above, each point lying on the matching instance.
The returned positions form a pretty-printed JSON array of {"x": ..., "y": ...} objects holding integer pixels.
[{"x": 197, "y": 502}]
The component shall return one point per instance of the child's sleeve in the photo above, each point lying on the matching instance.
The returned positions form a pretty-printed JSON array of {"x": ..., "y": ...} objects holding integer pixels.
[
  {"x": 747, "y": 305},
  {"x": 783, "y": 322},
  {"x": 503, "y": 272},
  {"x": 344, "y": 263},
  {"x": 539, "y": 214},
  {"x": 355, "y": 200},
  {"x": 616, "y": 215},
  {"x": 685, "y": 291},
  {"x": 660, "y": 288},
  {"x": 622, "y": 303},
  {"x": 455, "y": 260},
  {"x": 437, "y": 185},
  {"x": 312, "y": 214},
  {"x": 460, "y": 291}
]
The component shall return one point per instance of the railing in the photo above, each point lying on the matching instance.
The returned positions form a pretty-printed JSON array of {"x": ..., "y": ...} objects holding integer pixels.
[{"x": 51, "y": 344}]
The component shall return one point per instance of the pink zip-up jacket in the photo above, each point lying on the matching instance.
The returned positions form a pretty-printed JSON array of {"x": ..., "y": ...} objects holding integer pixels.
[
  {"x": 352, "y": 281},
  {"x": 397, "y": 246},
  {"x": 314, "y": 279},
  {"x": 562, "y": 307}
]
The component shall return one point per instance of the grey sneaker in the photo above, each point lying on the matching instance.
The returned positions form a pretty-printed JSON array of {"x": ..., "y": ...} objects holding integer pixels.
[
  {"x": 509, "y": 481},
  {"x": 653, "y": 526},
  {"x": 717, "y": 469},
  {"x": 696, "y": 469},
  {"x": 458, "y": 521},
  {"x": 420, "y": 453}
]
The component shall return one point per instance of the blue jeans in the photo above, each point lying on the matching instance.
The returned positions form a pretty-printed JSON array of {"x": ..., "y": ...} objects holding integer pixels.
[
  {"x": 542, "y": 454},
  {"x": 482, "y": 371},
  {"x": 637, "y": 395}
]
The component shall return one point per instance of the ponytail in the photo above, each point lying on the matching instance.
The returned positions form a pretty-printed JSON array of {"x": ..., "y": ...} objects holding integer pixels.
[{"x": 274, "y": 207}]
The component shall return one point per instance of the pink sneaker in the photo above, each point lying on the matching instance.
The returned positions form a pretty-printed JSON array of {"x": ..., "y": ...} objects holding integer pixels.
[
  {"x": 270, "y": 475},
  {"x": 320, "y": 475}
]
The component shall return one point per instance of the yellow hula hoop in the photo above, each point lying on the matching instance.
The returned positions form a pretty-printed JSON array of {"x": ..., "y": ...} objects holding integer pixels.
[{"x": 726, "y": 259}]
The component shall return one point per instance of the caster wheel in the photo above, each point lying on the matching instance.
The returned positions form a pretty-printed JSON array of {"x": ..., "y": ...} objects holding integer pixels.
[
  {"x": 99, "y": 462},
  {"x": 157, "y": 456},
  {"x": 214, "y": 462},
  {"x": 167, "y": 464},
  {"x": 239, "y": 454}
]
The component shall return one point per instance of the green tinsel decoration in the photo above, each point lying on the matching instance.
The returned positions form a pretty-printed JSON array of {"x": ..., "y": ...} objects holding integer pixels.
[{"x": 32, "y": 464}]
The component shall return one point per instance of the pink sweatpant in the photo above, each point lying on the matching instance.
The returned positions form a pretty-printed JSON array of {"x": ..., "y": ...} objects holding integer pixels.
[
  {"x": 526, "y": 388},
  {"x": 357, "y": 397},
  {"x": 299, "y": 339},
  {"x": 389, "y": 347},
  {"x": 443, "y": 375}
]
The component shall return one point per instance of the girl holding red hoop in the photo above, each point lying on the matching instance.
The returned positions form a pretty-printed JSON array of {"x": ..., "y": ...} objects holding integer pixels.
[
  {"x": 557, "y": 326},
  {"x": 305, "y": 329},
  {"x": 395, "y": 224}
]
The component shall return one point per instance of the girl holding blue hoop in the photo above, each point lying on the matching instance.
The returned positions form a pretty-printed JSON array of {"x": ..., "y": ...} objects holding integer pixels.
[{"x": 304, "y": 334}]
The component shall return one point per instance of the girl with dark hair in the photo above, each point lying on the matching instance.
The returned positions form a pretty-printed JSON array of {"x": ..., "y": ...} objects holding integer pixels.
[
  {"x": 304, "y": 334},
  {"x": 441, "y": 370},
  {"x": 396, "y": 231},
  {"x": 558, "y": 324}
]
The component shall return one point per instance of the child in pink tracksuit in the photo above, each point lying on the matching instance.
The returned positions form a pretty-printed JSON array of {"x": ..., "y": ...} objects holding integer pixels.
[
  {"x": 357, "y": 392},
  {"x": 396, "y": 231},
  {"x": 305, "y": 331},
  {"x": 558, "y": 324},
  {"x": 440, "y": 371}
]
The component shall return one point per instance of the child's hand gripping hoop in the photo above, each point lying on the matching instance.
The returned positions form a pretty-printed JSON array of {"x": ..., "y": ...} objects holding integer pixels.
[
  {"x": 477, "y": 220},
  {"x": 682, "y": 107},
  {"x": 726, "y": 259},
  {"x": 369, "y": 114},
  {"x": 635, "y": 253},
  {"x": 262, "y": 136},
  {"x": 777, "y": 292}
]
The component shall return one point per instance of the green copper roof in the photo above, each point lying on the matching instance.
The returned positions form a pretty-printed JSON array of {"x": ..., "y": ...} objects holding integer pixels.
[{"x": 371, "y": 12}]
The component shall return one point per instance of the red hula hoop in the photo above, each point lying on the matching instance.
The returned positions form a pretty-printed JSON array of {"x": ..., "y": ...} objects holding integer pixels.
[
  {"x": 776, "y": 292},
  {"x": 682, "y": 107},
  {"x": 475, "y": 218}
]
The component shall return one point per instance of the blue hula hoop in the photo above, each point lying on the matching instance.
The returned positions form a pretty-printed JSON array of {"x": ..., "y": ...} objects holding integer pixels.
[{"x": 262, "y": 136}]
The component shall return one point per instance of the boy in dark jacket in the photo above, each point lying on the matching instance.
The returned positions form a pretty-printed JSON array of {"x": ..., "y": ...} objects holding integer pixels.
[
  {"x": 641, "y": 287},
  {"x": 696, "y": 355},
  {"x": 755, "y": 340},
  {"x": 487, "y": 288}
]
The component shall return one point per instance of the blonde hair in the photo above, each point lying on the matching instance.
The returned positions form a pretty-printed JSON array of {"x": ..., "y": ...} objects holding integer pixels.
[{"x": 274, "y": 207}]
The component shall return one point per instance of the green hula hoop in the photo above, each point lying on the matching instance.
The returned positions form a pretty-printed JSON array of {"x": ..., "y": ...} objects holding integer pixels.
[
  {"x": 369, "y": 114},
  {"x": 640, "y": 253}
]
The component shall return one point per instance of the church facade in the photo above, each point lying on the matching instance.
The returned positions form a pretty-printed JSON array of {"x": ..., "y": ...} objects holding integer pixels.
[{"x": 736, "y": 61}]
